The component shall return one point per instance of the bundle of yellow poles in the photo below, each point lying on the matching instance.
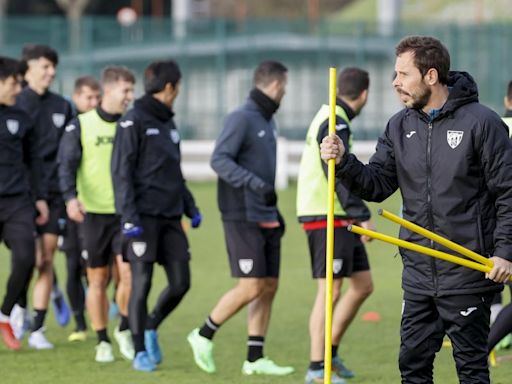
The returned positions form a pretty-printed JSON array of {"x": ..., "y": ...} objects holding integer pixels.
[{"x": 479, "y": 263}]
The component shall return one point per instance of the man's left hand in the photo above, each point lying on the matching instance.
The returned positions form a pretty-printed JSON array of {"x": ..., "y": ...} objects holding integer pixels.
[{"x": 501, "y": 271}]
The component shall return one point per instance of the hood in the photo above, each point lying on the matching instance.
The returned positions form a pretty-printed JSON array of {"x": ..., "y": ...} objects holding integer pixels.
[{"x": 463, "y": 90}]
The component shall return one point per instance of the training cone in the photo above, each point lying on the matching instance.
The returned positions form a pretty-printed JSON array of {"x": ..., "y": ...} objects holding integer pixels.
[{"x": 371, "y": 316}]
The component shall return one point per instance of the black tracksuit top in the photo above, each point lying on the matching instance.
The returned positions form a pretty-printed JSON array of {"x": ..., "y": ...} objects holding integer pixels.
[
  {"x": 455, "y": 176},
  {"x": 146, "y": 165},
  {"x": 50, "y": 113},
  {"x": 19, "y": 153}
]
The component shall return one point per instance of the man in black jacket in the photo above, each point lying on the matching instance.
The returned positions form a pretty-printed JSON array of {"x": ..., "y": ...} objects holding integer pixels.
[
  {"x": 151, "y": 196},
  {"x": 245, "y": 160},
  {"x": 19, "y": 152},
  {"x": 50, "y": 113},
  {"x": 452, "y": 160}
]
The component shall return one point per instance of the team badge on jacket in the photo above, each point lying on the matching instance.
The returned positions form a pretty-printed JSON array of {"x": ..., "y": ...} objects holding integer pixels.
[
  {"x": 12, "y": 126},
  {"x": 139, "y": 248},
  {"x": 58, "y": 119},
  {"x": 245, "y": 265},
  {"x": 454, "y": 138}
]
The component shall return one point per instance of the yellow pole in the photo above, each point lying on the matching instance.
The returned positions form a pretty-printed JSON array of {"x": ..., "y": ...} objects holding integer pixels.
[
  {"x": 438, "y": 239},
  {"x": 330, "y": 234},
  {"x": 420, "y": 249}
]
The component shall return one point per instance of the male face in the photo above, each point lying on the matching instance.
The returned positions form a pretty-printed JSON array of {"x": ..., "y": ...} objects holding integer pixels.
[
  {"x": 276, "y": 89},
  {"x": 118, "y": 95},
  {"x": 86, "y": 98},
  {"x": 409, "y": 83},
  {"x": 9, "y": 88},
  {"x": 40, "y": 73}
]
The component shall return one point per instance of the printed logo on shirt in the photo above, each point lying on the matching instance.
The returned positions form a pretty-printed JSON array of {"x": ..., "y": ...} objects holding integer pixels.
[
  {"x": 70, "y": 127},
  {"x": 126, "y": 123},
  {"x": 341, "y": 126},
  {"x": 13, "y": 126},
  {"x": 336, "y": 265},
  {"x": 139, "y": 248},
  {"x": 454, "y": 138},
  {"x": 245, "y": 265},
  {"x": 58, "y": 119},
  {"x": 152, "y": 131},
  {"x": 175, "y": 136},
  {"x": 261, "y": 133},
  {"x": 468, "y": 311},
  {"x": 104, "y": 140},
  {"x": 410, "y": 134},
  {"x": 85, "y": 254}
]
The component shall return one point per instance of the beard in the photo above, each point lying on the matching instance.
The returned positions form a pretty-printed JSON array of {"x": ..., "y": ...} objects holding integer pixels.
[{"x": 418, "y": 99}]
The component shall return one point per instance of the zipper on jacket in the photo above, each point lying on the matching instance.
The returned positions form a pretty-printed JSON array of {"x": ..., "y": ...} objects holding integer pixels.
[{"x": 429, "y": 202}]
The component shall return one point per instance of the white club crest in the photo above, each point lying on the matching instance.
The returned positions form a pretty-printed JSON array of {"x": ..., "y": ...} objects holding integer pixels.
[
  {"x": 246, "y": 265},
  {"x": 454, "y": 138},
  {"x": 139, "y": 248},
  {"x": 336, "y": 265},
  {"x": 175, "y": 136},
  {"x": 85, "y": 254},
  {"x": 58, "y": 119},
  {"x": 12, "y": 126}
]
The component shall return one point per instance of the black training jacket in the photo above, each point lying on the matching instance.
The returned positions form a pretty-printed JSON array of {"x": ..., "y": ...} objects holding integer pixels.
[
  {"x": 146, "y": 164},
  {"x": 455, "y": 177},
  {"x": 244, "y": 158},
  {"x": 19, "y": 153},
  {"x": 50, "y": 113}
]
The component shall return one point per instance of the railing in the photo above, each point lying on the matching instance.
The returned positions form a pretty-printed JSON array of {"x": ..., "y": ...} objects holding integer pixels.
[{"x": 196, "y": 159}]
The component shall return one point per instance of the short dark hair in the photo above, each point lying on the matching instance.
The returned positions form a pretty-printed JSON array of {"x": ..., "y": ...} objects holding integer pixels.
[
  {"x": 36, "y": 51},
  {"x": 352, "y": 81},
  {"x": 268, "y": 71},
  {"x": 509, "y": 91},
  {"x": 86, "y": 81},
  {"x": 159, "y": 73},
  {"x": 114, "y": 73},
  {"x": 9, "y": 67},
  {"x": 428, "y": 53}
]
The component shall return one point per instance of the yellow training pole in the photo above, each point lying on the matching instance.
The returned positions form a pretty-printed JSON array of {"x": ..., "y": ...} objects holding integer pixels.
[
  {"x": 330, "y": 234},
  {"x": 420, "y": 249},
  {"x": 438, "y": 239}
]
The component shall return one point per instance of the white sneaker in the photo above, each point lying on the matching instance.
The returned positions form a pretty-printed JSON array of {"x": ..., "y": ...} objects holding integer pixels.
[
  {"x": 20, "y": 321},
  {"x": 38, "y": 340},
  {"x": 124, "y": 339},
  {"x": 104, "y": 352}
]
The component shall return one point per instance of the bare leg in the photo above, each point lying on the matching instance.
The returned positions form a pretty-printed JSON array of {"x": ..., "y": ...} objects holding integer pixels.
[
  {"x": 47, "y": 245},
  {"x": 317, "y": 319},
  {"x": 361, "y": 286},
  {"x": 97, "y": 302},
  {"x": 260, "y": 308},
  {"x": 124, "y": 285}
]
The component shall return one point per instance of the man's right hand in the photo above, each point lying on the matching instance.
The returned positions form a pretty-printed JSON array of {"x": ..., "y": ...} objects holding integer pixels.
[
  {"x": 132, "y": 230},
  {"x": 75, "y": 210},
  {"x": 332, "y": 148}
]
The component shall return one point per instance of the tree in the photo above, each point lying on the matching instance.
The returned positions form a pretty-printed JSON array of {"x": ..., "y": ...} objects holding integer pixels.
[{"x": 74, "y": 10}]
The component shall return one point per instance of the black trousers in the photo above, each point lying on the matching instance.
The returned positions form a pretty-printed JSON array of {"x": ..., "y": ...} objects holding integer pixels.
[
  {"x": 425, "y": 321},
  {"x": 17, "y": 229}
]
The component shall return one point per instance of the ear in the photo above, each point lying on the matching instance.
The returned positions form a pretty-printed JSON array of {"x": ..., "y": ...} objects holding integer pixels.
[{"x": 432, "y": 77}]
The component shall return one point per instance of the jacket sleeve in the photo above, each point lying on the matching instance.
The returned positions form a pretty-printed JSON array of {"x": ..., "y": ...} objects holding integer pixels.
[
  {"x": 354, "y": 207},
  {"x": 68, "y": 159},
  {"x": 227, "y": 148},
  {"x": 34, "y": 161},
  {"x": 189, "y": 203},
  {"x": 496, "y": 157},
  {"x": 124, "y": 161},
  {"x": 375, "y": 181}
]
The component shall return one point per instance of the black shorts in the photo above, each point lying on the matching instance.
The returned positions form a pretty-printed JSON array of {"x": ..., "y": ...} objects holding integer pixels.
[
  {"x": 253, "y": 251},
  {"x": 163, "y": 240},
  {"x": 100, "y": 235},
  {"x": 349, "y": 253},
  {"x": 57, "y": 218}
]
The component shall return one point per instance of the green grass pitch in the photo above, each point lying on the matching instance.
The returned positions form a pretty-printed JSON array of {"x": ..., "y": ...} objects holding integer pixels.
[{"x": 370, "y": 349}]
